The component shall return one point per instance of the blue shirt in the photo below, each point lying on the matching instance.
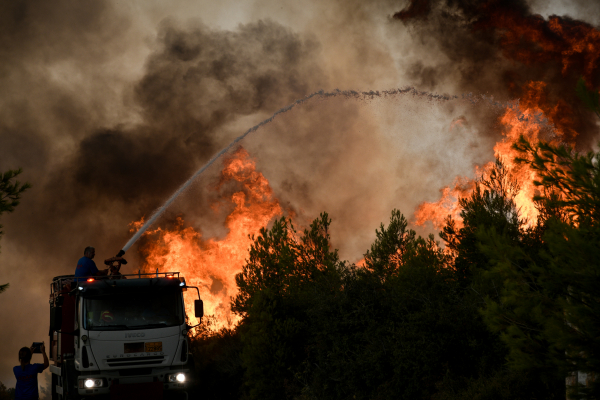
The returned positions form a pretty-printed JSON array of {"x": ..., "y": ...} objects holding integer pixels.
[
  {"x": 27, "y": 382},
  {"x": 85, "y": 267}
]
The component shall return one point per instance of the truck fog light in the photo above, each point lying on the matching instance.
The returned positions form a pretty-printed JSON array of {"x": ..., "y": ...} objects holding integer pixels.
[
  {"x": 91, "y": 383},
  {"x": 178, "y": 377}
]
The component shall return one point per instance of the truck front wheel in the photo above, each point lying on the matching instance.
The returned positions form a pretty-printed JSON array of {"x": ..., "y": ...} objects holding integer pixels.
[{"x": 54, "y": 395}]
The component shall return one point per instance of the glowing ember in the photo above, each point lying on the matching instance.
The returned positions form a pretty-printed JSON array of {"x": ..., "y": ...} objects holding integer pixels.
[{"x": 212, "y": 264}]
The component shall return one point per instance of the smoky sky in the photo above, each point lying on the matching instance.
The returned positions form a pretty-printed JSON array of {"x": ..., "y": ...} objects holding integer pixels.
[
  {"x": 90, "y": 179},
  {"x": 109, "y": 107}
]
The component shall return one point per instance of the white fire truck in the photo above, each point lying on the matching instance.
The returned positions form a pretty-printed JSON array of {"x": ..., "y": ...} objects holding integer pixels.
[{"x": 122, "y": 337}]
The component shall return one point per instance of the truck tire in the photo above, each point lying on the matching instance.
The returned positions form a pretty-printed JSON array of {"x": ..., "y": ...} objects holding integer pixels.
[
  {"x": 53, "y": 394},
  {"x": 57, "y": 381},
  {"x": 69, "y": 388}
]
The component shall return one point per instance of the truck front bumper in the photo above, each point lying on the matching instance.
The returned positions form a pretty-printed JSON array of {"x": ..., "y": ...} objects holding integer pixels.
[{"x": 122, "y": 386}]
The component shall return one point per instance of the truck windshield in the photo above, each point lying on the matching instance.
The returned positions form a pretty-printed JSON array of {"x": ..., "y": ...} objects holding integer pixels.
[{"x": 133, "y": 311}]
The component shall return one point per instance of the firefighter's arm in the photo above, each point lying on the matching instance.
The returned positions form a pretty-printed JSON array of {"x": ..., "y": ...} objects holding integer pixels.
[{"x": 43, "y": 349}]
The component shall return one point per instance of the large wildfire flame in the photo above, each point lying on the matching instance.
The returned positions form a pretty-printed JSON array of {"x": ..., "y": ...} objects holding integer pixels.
[
  {"x": 211, "y": 264},
  {"x": 548, "y": 57},
  {"x": 528, "y": 39},
  {"x": 528, "y": 119}
]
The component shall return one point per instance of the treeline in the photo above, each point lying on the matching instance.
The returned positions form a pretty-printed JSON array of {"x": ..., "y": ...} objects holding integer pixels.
[{"x": 505, "y": 309}]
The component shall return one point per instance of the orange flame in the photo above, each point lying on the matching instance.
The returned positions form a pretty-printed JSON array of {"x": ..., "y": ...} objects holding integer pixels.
[
  {"x": 530, "y": 118},
  {"x": 437, "y": 212},
  {"x": 212, "y": 264},
  {"x": 558, "y": 49}
]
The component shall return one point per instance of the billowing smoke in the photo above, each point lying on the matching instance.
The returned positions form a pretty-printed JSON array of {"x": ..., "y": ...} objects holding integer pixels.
[
  {"x": 503, "y": 48},
  {"x": 110, "y": 107}
]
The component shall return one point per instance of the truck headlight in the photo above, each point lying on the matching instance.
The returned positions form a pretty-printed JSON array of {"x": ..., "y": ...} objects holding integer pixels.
[
  {"x": 91, "y": 383},
  {"x": 178, "y": 377}
]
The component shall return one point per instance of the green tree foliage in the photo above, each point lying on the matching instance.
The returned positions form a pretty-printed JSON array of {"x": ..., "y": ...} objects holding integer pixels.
[
  {"x": 10, "y": 193},
  {"x": 6, "y": 393},
  {"x": 398, "y": 327},
  {"x": 217, "y": 368},
  {"x": 491, "y": 211},
  {"x": 11, "y": 190},
  {"x": 274, "y": 295},
  {"x": 490, "y": 204},
  {"x": 548, "y": 310},
  {"x": 317, "y": 328}
]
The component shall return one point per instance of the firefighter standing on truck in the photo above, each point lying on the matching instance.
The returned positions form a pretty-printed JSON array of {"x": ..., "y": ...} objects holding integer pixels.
[{"x": 87, "y": 267}]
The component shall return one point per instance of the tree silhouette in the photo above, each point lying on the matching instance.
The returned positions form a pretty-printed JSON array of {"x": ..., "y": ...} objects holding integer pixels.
[{"x": 10, "y": 193}]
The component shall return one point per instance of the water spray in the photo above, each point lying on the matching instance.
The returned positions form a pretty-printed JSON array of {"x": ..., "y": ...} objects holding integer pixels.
[{"x": 350, "y": 94}]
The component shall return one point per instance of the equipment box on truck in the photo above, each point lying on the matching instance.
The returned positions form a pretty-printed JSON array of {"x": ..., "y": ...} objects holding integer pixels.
[{"x": 124, "y": 337}]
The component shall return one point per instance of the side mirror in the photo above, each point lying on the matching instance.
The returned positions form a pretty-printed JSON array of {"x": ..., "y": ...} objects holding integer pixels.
[
  {"x": 55, "y": 318},
  {"x": 198, "y": 308}
]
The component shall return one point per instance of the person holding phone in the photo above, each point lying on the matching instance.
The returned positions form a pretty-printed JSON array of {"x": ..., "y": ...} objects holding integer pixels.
[{"x": 27, "y": 373}]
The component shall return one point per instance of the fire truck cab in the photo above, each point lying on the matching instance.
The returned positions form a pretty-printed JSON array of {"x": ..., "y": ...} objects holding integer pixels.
[{"x": 120, "y": 337}]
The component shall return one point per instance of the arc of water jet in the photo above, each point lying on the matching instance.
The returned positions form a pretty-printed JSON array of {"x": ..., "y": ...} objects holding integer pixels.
[{"x": 322, "y": 94}]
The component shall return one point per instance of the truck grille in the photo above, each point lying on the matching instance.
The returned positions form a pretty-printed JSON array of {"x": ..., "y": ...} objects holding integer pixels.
[
  {"x": 147, "y": 360},
  {"x": 135, "y": 371}
]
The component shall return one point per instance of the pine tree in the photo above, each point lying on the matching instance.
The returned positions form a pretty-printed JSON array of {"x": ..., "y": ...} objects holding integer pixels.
[
  {"x": 10, "y": 193},
  {"x": 547, "y": 310}
]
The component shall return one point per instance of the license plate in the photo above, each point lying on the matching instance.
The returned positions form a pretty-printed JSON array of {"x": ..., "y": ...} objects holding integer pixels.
[
  {"x": 153, "y": 346},
  {"x": 134, "y": 347}
]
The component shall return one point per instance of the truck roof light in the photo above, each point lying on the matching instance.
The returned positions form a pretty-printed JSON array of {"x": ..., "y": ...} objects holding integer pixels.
[
  {"x": 90, "y": 280},
  {"x": 169, "y": 275}
]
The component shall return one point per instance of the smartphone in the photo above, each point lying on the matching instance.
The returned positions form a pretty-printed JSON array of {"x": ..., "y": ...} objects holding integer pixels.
[{"x": 37, "y": 347}]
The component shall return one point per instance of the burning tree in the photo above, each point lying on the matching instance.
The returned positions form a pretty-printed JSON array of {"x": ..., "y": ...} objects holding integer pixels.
[{"x": 546, "y": 308}]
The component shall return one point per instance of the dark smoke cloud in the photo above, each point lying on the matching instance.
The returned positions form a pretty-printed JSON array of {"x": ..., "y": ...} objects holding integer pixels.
[
  {"x": 500, "y": 47},
  {"x": 195, "y": 83}
]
